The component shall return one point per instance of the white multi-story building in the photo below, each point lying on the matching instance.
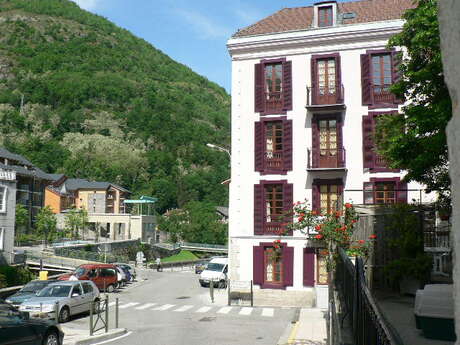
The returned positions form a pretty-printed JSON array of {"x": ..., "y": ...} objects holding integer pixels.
[{"x": 307, "y": 85}]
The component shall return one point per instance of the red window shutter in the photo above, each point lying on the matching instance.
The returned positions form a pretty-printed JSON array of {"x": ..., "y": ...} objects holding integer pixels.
[
  {"x": 288, "y": 198},
  {"x": 309, "y": 267},
  {"x": 288, "y": 265},
  {"x": 368, "y": 145},
  {"x": 259, "y": 100},
  {"x": 339, "y": 79},
  {"x": 340, "y": 152},
  {"x": 395, "y": 73},
  {"x": 259, "y": 148},
  {"x": 368, "y": 193},
  {"x": 287, "y": 145},
  {"x": 366, "y": 82},
  {"x": 315, "y": 202},
  {"x": 287, "y": 85},
  {"x": 314, "y": 82},
  {"x": 315, "y": 143},
  {"x": 258, "y": 265},
  {"x": 259, "y": 216},
  {"x": 401, "y": 194}
]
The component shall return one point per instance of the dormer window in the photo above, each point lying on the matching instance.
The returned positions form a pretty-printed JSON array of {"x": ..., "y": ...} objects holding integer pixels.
[{"x": 325, "y": 16}]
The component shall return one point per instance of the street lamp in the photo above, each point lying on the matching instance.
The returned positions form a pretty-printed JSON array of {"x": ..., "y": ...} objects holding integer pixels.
[{"x": 219, "y": 149}]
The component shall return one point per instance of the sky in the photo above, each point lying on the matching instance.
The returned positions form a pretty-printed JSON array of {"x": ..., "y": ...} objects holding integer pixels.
[{"x": 192, "y": 32}]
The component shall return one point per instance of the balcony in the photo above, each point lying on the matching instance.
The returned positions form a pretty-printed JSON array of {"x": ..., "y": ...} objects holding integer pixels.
[
  {"x": 273, "y": 161},
  {"x": 436, "y": 240},
  {"x": 382, "y": 94},
  {"x": 326, "y": 159},
  {"x": 273, "y": 102},
  {"x": 324, "y": 97}
]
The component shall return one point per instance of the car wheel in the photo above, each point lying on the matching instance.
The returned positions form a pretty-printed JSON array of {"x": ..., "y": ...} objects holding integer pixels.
[
  {"x": 96, "y": 306},
  {"x": 64, "y": 315},
  {"x": 202, "y": 284},
  {"x": 51, "y": 338},
  {"x": 110, "y": 288},
  {"x": 222, "y": 284}
]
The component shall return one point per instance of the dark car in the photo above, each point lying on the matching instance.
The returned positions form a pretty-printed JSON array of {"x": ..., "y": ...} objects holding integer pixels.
[
  {"x": 28, "y": 291},
  {"x": 17, "y": 328}
]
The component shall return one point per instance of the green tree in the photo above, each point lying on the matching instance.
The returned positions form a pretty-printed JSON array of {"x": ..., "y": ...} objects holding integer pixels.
[
  {"x": 46, "y": 223},
  {"x": 416, "y": 141},
  {"x": 76, "y": 221},
  {"x": 21, "y": 218}
]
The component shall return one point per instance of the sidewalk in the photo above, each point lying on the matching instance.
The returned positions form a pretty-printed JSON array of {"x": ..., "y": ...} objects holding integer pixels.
[
  {"x": 77, "y": 336},
  {"x": 310, "y": 329}
]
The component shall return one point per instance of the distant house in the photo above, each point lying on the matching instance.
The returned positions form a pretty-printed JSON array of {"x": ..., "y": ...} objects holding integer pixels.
[
  {"x": 222, "y": 212},
  {"x": 7, "y": 214}
]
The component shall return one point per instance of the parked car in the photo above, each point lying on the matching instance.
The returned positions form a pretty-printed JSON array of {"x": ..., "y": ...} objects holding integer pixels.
[
  {"x": 216, "y": 271},
  {"x": 121, "y": 276},
  {"x": 200, "y": 267},
  {"x": 17, "y": 328},
  {"x": 126, "y": 272},
  {"x": 28, "y": 291},
  {"x": 73, "y": 297},
  {"x": 103, "y": 275},
  {"x": 130, "y": 268}
]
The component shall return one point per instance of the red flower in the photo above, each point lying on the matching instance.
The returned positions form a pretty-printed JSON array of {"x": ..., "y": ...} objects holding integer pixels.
[
  {"x": 318, "y": 227},
  {"x": 348, "y": 205},
  {"x": 337, "y": 214},
  {"x": 354, "y": 221},
  {"x": 361, "y": 241},
  {"x": 318, "y": 237},
  {"x": 343, "y": 228},
  {"x": 372, "y": 237}
]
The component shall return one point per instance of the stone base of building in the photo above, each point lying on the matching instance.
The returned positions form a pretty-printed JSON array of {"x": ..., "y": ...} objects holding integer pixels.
[{"x": 284, "y": 298}]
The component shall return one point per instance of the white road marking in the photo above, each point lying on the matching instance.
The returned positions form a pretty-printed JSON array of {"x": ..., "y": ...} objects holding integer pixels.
[
  {"x": 224, "y": 310},
  {"x": 203, "y": 309},
  {"x": 127, "y": 305},
  {"x": 245, "y": 311},
  {"x": 165, "y": 307},
  {"x": 145, "y": 306},
  {"x": 111, "y": 304},
  {"x": 184, "y": 308},
  {"x": 268, "y": 312}
]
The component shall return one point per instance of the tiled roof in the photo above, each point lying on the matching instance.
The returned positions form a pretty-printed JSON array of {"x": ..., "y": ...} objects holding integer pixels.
[
  {"x": 72, "y": 184},
  {"x": 301, "y": 18},
  {"x": 4, "y": 153}
]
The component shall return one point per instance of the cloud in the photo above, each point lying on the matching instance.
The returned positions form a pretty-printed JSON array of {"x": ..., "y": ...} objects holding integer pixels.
[
  {"x": 205, "y": 27},
  {"x": 89, "y": 5}
]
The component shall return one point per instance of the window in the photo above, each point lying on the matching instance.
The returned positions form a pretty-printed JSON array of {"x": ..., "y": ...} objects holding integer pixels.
[
  {"x": 2, "y": 199},
  {"x": 321, "y": 268},
  {"x": 77, "y": 290},
  {"x": 2, "y": 238},
  {"x": 325, "y": 16},
  {"x": 87, "y": 288},
  {"x": 274, "y": 203},
  {"x": 327, "y": 143},
  {"x": 326, "y": 76},
  {"x": 327, "y": 195},
  {"x": 326, "y": 85},
  {"x": 385, "y": 191},
  {"x": 273, "y": 267},
  {"x": 273, "y": 146},
  {"x": 381, "y": 78},
  {"x": 273, "y": 86}
]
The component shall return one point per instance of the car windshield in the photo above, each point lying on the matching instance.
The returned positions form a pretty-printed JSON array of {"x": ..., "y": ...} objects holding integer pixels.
[
  {"x": 79, "y": 272},
  {"x": 34, "y": 286},
  {"x": 215, "y": 267},
  {"x": 55, "y": 291}
]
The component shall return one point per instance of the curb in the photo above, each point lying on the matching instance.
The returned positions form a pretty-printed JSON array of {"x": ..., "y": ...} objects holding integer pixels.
[
  {"x": 291, "y": 330},
  {"x": 101, "y": 337}
]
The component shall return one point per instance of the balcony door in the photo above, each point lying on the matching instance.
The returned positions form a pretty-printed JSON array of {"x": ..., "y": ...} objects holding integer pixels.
[
  {"x": 328, "y": 152},
  {"x": 327, "y": 81}
]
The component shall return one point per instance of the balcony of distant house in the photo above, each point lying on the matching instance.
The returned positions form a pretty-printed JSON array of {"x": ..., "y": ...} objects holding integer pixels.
[
  {"x": 326, "y": 159},
  {"x": 330, "y": 97}
]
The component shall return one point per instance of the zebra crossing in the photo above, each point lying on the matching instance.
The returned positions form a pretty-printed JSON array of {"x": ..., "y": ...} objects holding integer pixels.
[{"x": 225, "y": 310}]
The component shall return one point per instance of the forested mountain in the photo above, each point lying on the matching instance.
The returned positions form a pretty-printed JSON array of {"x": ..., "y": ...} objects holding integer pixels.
[{"x": 81, "y": 96}]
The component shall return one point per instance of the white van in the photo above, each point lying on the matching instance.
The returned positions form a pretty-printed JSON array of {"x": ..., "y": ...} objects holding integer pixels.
[{"x": 215, "y": 271}]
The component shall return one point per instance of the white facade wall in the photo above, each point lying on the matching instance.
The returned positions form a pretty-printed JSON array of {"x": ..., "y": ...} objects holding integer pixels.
[{"x": 350, "y": 41}]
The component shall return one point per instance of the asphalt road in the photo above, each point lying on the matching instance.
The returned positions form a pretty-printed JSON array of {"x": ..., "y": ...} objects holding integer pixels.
[{"x": 171, "y": 308}]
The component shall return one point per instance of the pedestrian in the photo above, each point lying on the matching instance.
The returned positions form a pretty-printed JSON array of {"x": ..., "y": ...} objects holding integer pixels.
[{"x": 158, "y": 262}]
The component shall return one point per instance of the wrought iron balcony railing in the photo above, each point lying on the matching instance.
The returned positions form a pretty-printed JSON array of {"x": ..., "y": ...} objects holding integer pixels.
[{"x": 326, "y": 159}]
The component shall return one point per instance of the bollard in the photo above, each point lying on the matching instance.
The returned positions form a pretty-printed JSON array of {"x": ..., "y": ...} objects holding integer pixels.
[
  {"x": 211, "y": 289},
  {"x": 91, "y": 318},
  {"x": 228, "y": 293},
  {"x": 106, "y": 314},
  {"x": 116, "y": 312},
  {"x": 56, "y": 312},
  {"x": 252, "y": 295}
]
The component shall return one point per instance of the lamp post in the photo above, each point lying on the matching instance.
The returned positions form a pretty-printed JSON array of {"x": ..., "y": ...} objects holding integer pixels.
[{"x": 218, "y": 148}]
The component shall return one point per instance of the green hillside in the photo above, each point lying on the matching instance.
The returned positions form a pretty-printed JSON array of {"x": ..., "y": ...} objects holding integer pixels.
[{"x": 81, "y": 96}]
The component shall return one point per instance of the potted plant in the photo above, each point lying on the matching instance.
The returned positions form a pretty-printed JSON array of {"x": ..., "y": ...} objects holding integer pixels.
[{"x": 444, "y": 208}]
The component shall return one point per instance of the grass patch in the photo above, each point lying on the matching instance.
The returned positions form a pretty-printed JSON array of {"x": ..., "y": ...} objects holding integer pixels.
[{"x": 184, "y": 255}]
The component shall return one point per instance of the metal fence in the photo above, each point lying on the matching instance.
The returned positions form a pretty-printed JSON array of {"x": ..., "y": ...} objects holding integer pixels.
[{"x": 359, "y": 307}]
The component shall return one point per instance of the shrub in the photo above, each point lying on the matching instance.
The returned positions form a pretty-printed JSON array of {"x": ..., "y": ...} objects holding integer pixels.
[{"x": 14, "y": 276}]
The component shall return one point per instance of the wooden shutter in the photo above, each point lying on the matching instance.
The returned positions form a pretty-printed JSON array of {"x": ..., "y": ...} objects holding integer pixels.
[
  {"x": 315, "y": 200},
  {"x": 314, "y": 82},
  {"x": 258, "y": 265},
  {"x": 287, "y": 145},
  {"x": 259, "y": 148},
  {"x": 340, "y": 152},
  {"x": 401, "y": 194},
  {"x": 368, "y": 152},
  {"x": 366, "y": 82},
  {"x": 309, "y": 267},
  {"x": 339, "y": 79},
  {"x": 259, "y": 216},
  {"x": 314, "y": 143},
  {"x": 287, "y": 85},
  {"x": 259, "y": 99},
  {"x": 288, "y": 266},
  {"x": 288, "y": 198},
  {"x": 395, "y": 73}
]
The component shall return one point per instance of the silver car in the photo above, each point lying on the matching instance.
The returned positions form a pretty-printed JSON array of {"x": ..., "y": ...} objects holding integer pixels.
[{"x": 73, "y": 297}]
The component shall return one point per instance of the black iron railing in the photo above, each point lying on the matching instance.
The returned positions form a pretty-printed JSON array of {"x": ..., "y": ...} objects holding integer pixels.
[{"x": 325, "y": 95}]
